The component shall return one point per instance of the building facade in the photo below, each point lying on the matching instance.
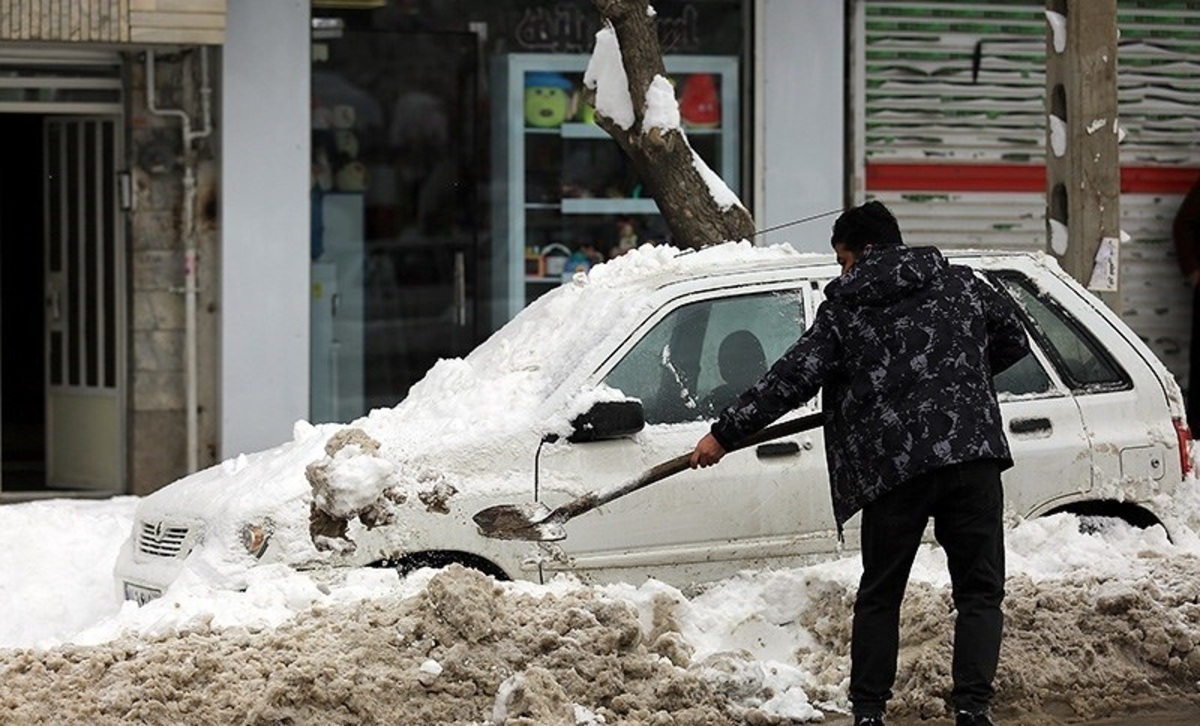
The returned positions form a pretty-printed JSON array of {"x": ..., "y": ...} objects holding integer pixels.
[{"x": 224, "y": 216}]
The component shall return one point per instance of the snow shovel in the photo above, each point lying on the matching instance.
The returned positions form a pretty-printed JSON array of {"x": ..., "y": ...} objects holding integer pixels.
[{"x": 536, "y": 522}]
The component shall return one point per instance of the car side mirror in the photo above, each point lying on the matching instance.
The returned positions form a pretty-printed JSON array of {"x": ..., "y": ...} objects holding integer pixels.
[{"x": 608, "y": 420}]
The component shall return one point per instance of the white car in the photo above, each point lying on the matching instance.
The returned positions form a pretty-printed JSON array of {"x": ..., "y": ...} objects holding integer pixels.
[{"x": 552, "y": 406}]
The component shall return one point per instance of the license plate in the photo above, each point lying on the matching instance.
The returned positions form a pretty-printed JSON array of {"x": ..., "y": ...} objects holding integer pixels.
[{"x": 141, "y": 595}]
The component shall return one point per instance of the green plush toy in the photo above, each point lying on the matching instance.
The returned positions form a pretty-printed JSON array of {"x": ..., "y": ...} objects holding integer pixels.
[{"x": 547, "y": 99}]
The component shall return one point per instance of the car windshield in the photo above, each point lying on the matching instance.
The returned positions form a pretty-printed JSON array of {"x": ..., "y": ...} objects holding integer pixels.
[
  {"x": 504, "y": 383},
  {"x": 546, "y": 342}
]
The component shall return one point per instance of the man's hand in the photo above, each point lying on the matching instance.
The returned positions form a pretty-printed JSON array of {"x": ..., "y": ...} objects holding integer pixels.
[
  {"x": 708, "y": 451},
  {"x": 1194, "y": 278}
]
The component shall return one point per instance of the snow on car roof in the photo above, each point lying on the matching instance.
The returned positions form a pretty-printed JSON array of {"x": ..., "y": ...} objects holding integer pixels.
[
  {"x": 494, "y": 396},
  {"x": 502, "y": 384}
]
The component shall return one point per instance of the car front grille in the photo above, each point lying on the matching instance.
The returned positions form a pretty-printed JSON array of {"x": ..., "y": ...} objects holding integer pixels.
[{"x": 159, "y": 539}]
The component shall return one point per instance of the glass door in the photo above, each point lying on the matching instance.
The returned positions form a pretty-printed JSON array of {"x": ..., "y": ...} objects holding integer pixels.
[{"x": 395, "y": 211}]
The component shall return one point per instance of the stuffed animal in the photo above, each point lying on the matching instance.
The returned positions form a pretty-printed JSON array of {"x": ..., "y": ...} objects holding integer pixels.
[
  {"x": 700, "y": 104},
  {"x": 547, "y": 99},
  {"x": 352, "y": 177},
  {"x": 347, "y": 143},
  {"x": 343, "y": 116}
]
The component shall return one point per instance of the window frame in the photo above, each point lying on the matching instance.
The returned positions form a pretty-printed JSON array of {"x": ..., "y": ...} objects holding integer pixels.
[
  {"x": 1049, "y": 350},
  {"x": 801, "y": 287}
]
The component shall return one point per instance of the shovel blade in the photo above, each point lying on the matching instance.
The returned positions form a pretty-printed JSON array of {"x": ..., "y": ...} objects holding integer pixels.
[{"x": 520, "y": 522}]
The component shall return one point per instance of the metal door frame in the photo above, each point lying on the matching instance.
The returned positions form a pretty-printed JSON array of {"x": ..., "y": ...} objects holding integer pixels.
[{"x": 105, "y": 166}]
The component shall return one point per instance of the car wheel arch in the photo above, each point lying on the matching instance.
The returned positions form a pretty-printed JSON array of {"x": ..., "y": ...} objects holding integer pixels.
[
  {"x": 409, "y": 562},
  {"x": 1131, "y": 513}
]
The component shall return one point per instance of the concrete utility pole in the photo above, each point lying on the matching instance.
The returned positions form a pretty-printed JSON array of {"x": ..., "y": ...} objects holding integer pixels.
[{"x": 1083, "y": 174}]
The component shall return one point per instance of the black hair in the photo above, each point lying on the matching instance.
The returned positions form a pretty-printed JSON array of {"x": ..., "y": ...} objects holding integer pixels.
[{"x": 869, "y": 224}]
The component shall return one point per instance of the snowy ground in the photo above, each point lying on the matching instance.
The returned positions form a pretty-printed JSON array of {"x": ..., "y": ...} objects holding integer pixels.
[{"x": 1097, "y": 624}]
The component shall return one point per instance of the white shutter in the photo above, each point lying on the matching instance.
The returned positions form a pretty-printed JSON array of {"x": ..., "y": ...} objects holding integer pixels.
[
  {"x": 64, "y": 80},
  {"x": 952, "y": 123}
]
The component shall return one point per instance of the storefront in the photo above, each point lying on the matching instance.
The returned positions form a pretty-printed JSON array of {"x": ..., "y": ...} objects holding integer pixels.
[
  {"x": 457, "y": 173},
  {"x": 315, "y": 200},
  {"x": 435, "y": 210},
  {"x": 377, "y": 184}
]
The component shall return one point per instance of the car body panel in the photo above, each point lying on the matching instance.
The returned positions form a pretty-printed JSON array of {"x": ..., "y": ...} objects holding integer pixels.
[{"x": 768, "y": 506}]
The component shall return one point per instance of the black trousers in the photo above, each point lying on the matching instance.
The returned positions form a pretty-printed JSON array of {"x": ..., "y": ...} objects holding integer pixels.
[{"x": 966, "y": 503}]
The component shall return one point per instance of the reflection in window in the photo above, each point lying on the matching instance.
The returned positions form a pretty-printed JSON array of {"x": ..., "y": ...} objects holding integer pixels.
[
  {"x": 1026, "y": 376},
  {"x": 698, "y": 358},
  {"x": 397, "y": 163},
  {"x": 1081, "y": 359}
]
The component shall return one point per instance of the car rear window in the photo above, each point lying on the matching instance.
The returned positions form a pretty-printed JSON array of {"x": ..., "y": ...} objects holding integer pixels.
[{"x": 1080, "y": 359}]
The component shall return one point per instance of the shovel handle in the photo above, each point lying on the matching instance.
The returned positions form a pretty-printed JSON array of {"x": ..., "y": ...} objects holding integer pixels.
[
  {"x": 779, "y": 430},
  {"x": 671, "y": 467}
]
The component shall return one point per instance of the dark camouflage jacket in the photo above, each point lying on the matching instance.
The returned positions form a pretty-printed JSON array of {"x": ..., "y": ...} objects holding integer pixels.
[{"x": 905, "y": 347}]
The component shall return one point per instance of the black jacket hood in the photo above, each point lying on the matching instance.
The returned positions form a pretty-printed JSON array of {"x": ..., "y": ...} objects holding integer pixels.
[{"x": 885, "y": 274}]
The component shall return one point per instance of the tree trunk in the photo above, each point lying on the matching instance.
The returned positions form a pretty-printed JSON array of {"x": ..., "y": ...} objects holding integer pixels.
[{"x": 664, "y": 160}]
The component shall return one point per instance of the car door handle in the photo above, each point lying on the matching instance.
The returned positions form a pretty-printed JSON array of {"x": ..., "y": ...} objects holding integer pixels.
[
  {"x": 777, "y": 449},
  {"x": 1030, "y": 425}
]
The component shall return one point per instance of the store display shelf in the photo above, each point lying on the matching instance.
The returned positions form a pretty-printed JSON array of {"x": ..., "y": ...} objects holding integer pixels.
[
  {"x": 579, "y": 130},
  {"x": 609, "y": 206}
]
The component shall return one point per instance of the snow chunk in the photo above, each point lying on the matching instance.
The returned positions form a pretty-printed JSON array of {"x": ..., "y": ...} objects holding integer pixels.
[
  {"x": 606, "y": 76},
  {"x": 717, "y": 188},
  {"x": 349, "y": 479},
  {"x": 1058, "y": 26},
  {"x": 1058, "y": 237},
  {"x": 662, "y": 110},
  {"x": 1058, "y": 135}
]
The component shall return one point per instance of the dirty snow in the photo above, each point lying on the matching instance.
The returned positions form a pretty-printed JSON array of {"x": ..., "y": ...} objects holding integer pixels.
[{"x": 1097, "y": 623}]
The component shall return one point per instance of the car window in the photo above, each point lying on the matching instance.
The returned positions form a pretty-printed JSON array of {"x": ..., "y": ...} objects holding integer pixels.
[
  {"x": 1026, "y": 376},
  {"x": 1080, "y": 359},
  {"x": 699, "y": 357}
]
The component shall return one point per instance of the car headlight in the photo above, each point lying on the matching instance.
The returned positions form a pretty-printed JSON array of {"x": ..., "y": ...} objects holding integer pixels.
[{"x": 255, "y": 536}]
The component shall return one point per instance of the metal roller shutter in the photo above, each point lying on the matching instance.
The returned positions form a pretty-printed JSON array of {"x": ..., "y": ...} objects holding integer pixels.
[
  {"x": 951, "y": 133},
  {"x": 42, "y": 80}
]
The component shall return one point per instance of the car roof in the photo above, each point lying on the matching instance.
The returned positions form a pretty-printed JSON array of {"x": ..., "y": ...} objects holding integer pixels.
[{"x": 759, "y": 261}]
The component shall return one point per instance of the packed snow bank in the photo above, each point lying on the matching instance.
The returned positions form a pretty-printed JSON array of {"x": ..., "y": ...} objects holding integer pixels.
[
  {"x": 464, "y": 649},
  {"x": 1097, "y": 624},
  {"x": 56, "y": 560}
]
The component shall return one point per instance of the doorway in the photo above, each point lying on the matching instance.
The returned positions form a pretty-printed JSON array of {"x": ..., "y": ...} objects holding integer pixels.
[
  {"x": 22, "y": 348},
  {"x": 62, "y": 328}
]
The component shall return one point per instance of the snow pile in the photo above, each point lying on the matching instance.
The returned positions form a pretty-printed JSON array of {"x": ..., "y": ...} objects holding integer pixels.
[
  {"x": 1098, "y": 623},
  {"x": 50, "y": 552},
  {"x": 464, "y": 413}
]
